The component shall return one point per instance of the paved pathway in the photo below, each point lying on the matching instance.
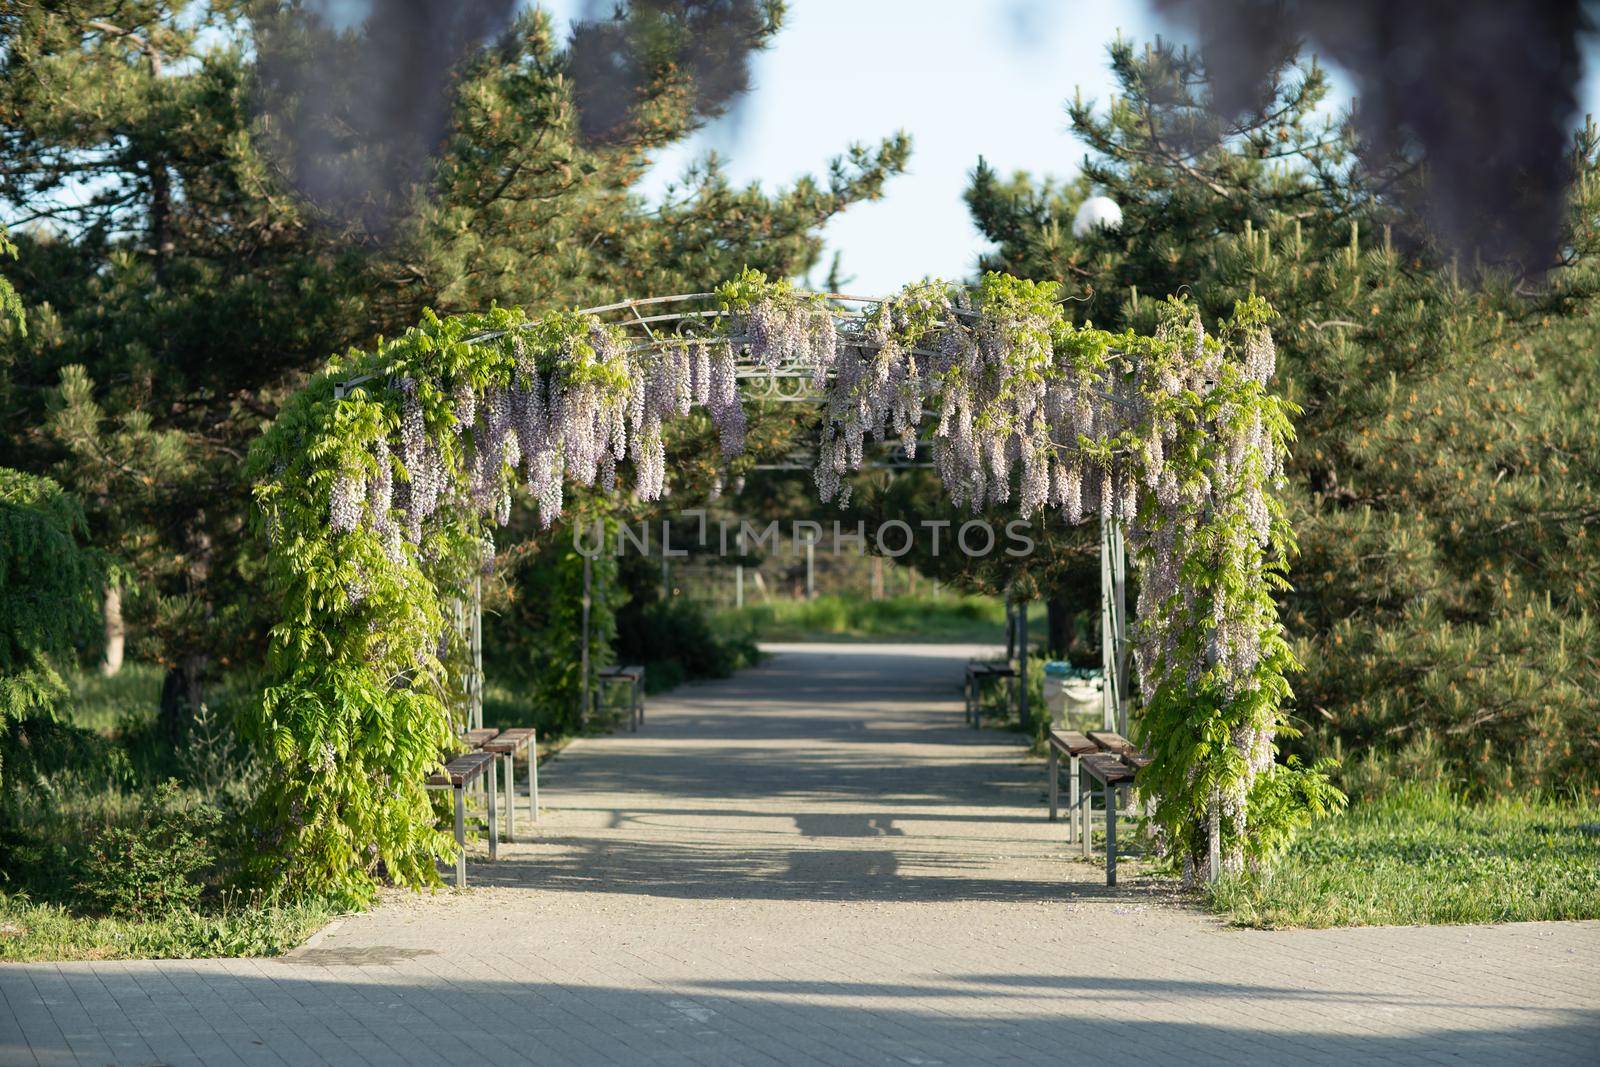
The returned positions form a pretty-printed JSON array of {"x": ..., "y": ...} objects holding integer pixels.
[{"x": 815, "y": 863}]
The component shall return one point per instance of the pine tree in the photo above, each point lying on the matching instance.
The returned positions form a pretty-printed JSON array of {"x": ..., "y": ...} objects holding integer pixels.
[
  {"x": 167, "y": 254},
  {"x": 1443, "y": 487},
  {"x": 47, "y": 588}
]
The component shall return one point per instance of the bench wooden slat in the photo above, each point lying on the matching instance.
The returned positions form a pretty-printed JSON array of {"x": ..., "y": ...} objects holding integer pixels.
[
  {"x": 1111, "y": 741},
  {"x": 504, "y": 745},
  {"x": 461, "y": 770},
  {"x": 1072, "y": 742},
  {"x": 475, "y": 738},
  {"x": 1136, "y": 760},
  {"x": 1105, "y": 767}
]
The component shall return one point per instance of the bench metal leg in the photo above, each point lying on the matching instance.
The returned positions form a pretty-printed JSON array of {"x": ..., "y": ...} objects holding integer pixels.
[
  {"x": 533, "y": 776},
  {"x": 1111, "y": 835},
  {"x": 1086, "y": 813},
  {"x": 1074, "y": 799},
  {"x": 511, "y": 797},
  {"x": 633, "y": 707},
  {"x": 461, "y": 836},
  {"x": 494, "y": 829},
  {"x": 1053, "y": 769}
]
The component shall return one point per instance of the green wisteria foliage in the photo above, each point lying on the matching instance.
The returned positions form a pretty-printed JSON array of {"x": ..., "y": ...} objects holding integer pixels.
[{"x": 378, "y": 500}]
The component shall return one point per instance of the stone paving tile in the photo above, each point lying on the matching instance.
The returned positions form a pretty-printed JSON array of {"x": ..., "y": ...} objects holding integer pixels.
[{"x": 816, "y": 863}]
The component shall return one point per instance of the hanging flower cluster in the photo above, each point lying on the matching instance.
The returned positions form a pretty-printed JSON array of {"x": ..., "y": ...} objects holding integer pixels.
[
  {"x": 568, "y": 399},
  {"x": 382, "y": 492}
]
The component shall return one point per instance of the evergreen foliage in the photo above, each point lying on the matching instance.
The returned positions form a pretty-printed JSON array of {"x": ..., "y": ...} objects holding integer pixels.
[
  {"x": 1442, "y": 489},
  {"x": 48, "y": 583},
  {"x": 177, "y": 302}
]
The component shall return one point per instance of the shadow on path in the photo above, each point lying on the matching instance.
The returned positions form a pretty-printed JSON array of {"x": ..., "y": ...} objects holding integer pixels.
[{"x": 388, "y": 1017}]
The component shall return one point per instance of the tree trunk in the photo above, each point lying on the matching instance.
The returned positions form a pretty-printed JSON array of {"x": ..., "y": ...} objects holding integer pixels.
[
  {"x": 182, "y": 690},
  {"x": 1058, "y": 626},
  {"x": 877, "y": 577},
  {"x": 116, "y": 632},
  {"x": 160, "y": 215},
  {"x": 181, "y": 694}
]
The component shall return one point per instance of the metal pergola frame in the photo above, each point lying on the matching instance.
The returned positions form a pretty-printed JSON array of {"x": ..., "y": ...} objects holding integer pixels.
[{"x": 792, "y": 383}]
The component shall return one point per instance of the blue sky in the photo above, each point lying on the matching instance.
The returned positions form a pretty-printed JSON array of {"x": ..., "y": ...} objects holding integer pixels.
[
  {"x": 964, "y": 77},
  {"x": 983, "y": 77}
]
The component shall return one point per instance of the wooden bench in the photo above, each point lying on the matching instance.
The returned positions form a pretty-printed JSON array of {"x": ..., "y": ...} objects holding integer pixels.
[
  {"x": 1113, "y": 742},
  {"x": 1072, "y": 745},
  {"x": 1111, "y": 762},
  {"x": 509, "y": 744},
  {"x": 459, "y": 773},
  {"x": 476, "y": 738},
  {"x": 1111, "y": 773},
  {"x": 633, "y": 675},
  {"x": 978, "y": 673}
]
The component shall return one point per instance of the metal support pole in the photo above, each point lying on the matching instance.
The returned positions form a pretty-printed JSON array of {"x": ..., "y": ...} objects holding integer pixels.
[
  {"x": 1119, "y": 601},
  {"x": 494, "y": 828},
  {"x": 1113, "y": 626},
  {"x": 1108, "y": 683},
  {"x": 1214, "y": 844},
  {"x": 1111, "y": 834},
  {"x": 1022, "y": 664},
  {"x": 811, "y": 570},
  {"x": 583, "y": 652},
  {"x": 510, "y": 768},
  {"x": 1053, "y": 769},
  {"x": 458, "y": 622},
  {"x": 476, "y": 714},
  {"x": 666, "y": 561},
  {"x": 1087, "y": 813},
  {"x": 461, "y": 836},
  {"x": 1074, "y": 798},
  {"x": 738, "y": 571}
]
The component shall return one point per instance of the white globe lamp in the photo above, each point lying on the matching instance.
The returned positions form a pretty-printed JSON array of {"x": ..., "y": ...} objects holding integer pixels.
[{"x": 1096, "y": 213}]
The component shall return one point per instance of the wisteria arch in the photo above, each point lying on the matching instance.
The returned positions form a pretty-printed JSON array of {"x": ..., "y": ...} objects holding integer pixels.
[{"x": 380, "y": 484}]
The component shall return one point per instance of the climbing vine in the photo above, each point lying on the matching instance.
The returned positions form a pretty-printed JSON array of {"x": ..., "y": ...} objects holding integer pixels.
[{"x": 380, "y": 484}]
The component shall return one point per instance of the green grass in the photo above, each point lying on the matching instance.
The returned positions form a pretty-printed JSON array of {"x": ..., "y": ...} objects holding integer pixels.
[
  {"x": 32, "y": 930},
  {"x": 48, "y": 909},
  {"x": 966, "y": 619},
  {"x": 105, "y": 704},
  {"x": 1420, "y": 856}
]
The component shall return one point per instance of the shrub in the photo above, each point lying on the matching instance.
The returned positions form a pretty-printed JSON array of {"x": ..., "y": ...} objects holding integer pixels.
[
  {"x": 153, "y": 867},
  {"x": 677, "y": 639}
]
